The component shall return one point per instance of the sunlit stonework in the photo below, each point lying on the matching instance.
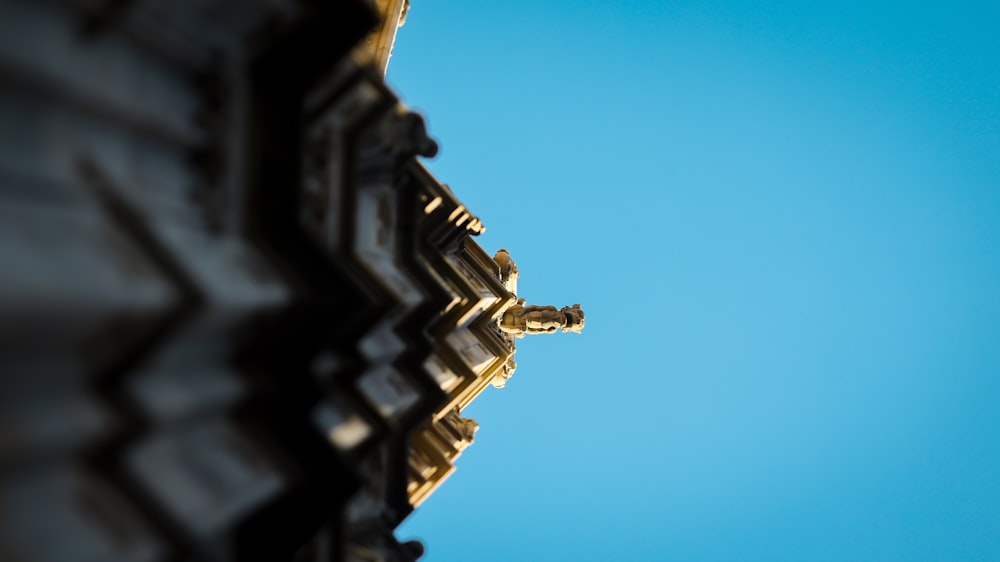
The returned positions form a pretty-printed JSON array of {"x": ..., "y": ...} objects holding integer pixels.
[
  {"x": 486, "y": 344},
  {"x": 241, "y": 319},
  {"x": 381, "y": 40}
]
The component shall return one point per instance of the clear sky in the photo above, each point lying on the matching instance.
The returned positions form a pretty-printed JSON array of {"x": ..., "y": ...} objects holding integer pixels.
[{"x": 783, "y": 222}]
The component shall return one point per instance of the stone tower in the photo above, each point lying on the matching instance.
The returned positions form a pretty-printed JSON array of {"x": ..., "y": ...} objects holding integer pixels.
[{"x": 239, "y": 319}]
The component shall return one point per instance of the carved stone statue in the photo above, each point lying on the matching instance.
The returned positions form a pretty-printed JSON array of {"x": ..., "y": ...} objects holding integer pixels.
[
  {"x": 397, "y": 135},
  {"x": 466, "y": 427},
  {"x": 500, "y": 379},
  {"x": 403, "y": 133},
  {"x": 520, "y": 319},
  {"x": 508, "y": 270}
]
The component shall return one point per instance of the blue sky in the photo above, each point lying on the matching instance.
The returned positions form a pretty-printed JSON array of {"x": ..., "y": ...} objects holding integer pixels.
[{"x": 783, "y": 222}]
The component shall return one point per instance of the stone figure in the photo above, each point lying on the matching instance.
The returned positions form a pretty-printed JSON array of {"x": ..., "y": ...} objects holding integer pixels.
[
  {"x": 404, "y": 133},
  {"x": 520, "y": 319},
  {"x": 500, "y": 379},
  {"x": 508, "y": 270},
  {"x": 398, "y": 134},
  {"x": 465, "y": 427}
]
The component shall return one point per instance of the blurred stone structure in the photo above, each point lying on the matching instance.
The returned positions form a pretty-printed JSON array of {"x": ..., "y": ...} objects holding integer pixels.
[
  {"x": 239, "y": 319},
  {"x": 378, "y": 45}
]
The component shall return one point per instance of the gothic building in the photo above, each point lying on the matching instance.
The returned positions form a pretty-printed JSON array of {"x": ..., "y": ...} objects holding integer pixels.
[{"x": 239, "y": 319}]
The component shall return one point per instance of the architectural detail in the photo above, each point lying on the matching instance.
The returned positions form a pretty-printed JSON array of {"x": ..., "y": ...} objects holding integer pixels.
[
  {"x": 520, "y": 319},
  {"x": 240, "y": 319},
  {"x": 380, "y": 42},
  {"x": 508, "y": 270},
  {"x": 484, "y": 346}
]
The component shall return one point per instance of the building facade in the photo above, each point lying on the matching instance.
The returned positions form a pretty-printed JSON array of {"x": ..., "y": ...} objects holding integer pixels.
[{"x": 239, "y": 319}]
